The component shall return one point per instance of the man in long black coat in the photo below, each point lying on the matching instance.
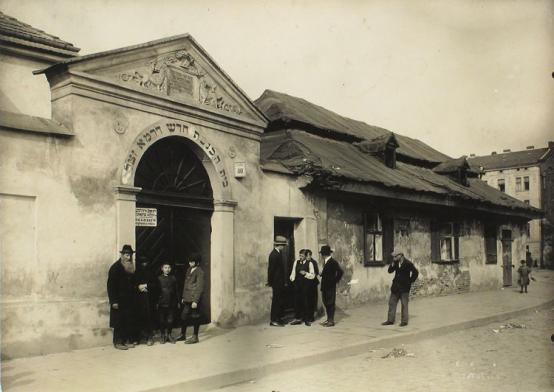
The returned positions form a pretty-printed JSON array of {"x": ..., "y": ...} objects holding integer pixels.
[
  {"x": 276, "y": 280},
  {"x": 121, "y": 293},
  {"x": 146, "y": 288},
  {"x": 330, "y": 276},
  {"x": 405, "y": 274}
]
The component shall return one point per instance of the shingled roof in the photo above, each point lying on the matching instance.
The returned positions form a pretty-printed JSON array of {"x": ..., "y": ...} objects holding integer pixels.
[
  {"x": 16, "y": 32},
  {"x": 508, "y": 160},
  {"x": 286, "y": 111},
  {"x": 341, "y": 165}
]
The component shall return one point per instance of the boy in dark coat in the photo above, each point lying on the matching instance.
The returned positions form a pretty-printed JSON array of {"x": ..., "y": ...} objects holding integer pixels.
[
  {"x": 167, "y": 303},
  {"x": 192, "y": 295},
  {"x": 121, "y": 288},
  {"x": 405, "y": 274},
  {"x": 330, "y": 276},
  {"x": 276, "y": 280}
]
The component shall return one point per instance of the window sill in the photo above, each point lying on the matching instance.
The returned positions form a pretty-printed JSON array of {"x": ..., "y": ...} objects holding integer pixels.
[
  {"x": 491, "y": 262},
  {"x": 375, "y": 264},
  {"x": 447, "y": 262}
]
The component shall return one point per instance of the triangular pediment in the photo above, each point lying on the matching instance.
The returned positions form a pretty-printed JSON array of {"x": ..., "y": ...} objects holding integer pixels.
[{"x": 176, "y": 68}]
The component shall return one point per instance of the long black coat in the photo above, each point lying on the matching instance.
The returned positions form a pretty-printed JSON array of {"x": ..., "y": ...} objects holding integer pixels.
[
  {"x": 121, "y": 291},
  {"x": 331, "y": 274},
  {"x": 405, "y": 274},
  {"x": 275, "y": 270}
]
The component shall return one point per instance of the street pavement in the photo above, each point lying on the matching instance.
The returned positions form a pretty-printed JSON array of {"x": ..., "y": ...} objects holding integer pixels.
[{"x": 225, "y": 358}]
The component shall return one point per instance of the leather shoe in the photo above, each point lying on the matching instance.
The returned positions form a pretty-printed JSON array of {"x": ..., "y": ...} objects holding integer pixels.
[
  {"x": 121, "y": 346},
  {"x": 295, "y": 322},
  {"x": 324, "y": 323},
  {"x": 403, "y": 324},
  {"x": 387, "y": 323},
  {"x": 329, "y": 324},
  {"x": 276, "y": 324},
  {"x": 308, "y": 323},
  {"x": 192, "y": 340}
]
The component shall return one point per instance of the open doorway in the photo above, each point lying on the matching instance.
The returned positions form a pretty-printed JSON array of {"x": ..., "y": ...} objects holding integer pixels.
[{"x": 285, "y": 227}]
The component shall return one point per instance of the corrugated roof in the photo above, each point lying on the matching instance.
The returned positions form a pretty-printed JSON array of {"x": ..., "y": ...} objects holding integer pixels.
[
  {"x": 280, "y": 107},
  {"x": 302, "y": 152},
  {"x": 23, "y": 122},
  {"x": 11, "y": 27},
  {"x": 508, "y": 159}
]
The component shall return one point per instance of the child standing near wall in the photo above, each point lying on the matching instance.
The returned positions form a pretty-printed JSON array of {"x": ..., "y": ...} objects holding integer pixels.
[
  {"x": 524, "y": 271},
  {"x": 167, "y": 303}
]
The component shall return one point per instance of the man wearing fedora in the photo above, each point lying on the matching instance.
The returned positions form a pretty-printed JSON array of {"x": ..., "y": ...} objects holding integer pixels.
[
  {"x": 276, "y": 280},
  {"x": 121, "y": 286},
  {"x": 330, "y": 276},
  {"x": 405, "y": 274}
]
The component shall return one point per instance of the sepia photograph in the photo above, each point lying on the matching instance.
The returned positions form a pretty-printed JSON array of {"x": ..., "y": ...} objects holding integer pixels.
[{"x": 276, "y": 196}]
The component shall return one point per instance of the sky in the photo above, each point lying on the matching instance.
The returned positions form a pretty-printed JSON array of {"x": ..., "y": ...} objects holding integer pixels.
[{"x": 463, "y": 76}]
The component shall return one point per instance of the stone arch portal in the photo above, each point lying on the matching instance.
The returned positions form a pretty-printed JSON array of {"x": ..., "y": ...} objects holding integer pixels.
[{"x": 222, "y": 219}]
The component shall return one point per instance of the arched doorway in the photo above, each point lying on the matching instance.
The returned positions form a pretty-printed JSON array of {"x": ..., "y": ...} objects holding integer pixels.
[{"x": 177, "y": 197}]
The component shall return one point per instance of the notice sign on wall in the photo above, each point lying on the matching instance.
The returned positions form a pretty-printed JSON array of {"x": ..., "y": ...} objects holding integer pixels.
[{"x": 146, "y": 217}]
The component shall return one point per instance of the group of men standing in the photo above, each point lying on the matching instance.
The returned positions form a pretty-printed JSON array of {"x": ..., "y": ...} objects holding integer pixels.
[{"x": 305, "y": 277}]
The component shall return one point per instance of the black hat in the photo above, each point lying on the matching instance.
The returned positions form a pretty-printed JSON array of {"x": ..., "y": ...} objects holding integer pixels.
[
  {"x": 326, "y": 250},
  {"x": 127, "y": 249}
]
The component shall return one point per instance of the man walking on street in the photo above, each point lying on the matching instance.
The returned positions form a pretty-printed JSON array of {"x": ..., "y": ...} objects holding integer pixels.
[
  {"x": 276, "y": 280},
  {"x": 330, "y": 276},
  {"x": 405, "y": 274}
]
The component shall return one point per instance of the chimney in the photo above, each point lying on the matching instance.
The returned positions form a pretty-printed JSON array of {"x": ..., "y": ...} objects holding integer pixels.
[
  {"x": 530, "y": 147},
  {"x": 506, "y": 150},
  {"x": 471, "y": 155},
  {"x": 493, "y": 153}
]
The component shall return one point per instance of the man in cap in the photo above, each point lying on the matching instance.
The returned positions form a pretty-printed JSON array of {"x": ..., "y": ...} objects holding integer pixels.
[
  {"x": 405, "y": 274},
  {"x": 276, "y": 280},
  {"x": 121, "y": 286},
  {"x": 330, "y": 276}
]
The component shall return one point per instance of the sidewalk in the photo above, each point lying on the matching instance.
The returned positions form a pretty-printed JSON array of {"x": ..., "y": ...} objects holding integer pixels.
[{"x": 225, "y": 357}]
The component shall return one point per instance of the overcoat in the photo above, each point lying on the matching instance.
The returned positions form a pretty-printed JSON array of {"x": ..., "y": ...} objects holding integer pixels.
[
  {"x": 405, "y": 274},
  {"x": 275, "y": 270},
  {"x": 121, "y": 290},
  {"x": 331, "y": 274}
]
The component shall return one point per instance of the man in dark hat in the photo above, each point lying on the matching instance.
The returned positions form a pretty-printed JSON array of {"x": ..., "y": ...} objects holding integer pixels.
[
  {"x": 405, "y": 273},
  {"x": 121, "y": 289},
  {"x": 276, "y": 280},
  {"x": 330, "y": 276}
]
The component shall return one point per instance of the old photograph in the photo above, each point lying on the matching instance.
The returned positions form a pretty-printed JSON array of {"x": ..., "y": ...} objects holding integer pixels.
[{"x": 276, "y": 196}]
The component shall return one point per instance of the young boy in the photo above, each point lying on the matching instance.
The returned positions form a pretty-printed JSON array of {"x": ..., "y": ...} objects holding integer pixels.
[{"x": 167, "y": 303}]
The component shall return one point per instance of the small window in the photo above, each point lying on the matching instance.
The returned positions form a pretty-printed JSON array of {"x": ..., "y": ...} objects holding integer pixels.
[
  {"x": 378, "y": 239},
  {"x": 526, "y": 201},
  {"x": 501, "y": 185},
  {"x": 445, "y": 242},
  {"x": 525, "y": 183},
  {"x": 528, "y": 229},
  {"x": 490, "y": 244},
  {"x": 519, "y": 186}
]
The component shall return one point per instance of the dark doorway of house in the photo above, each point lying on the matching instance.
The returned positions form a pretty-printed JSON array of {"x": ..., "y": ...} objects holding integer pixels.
[
  {"x": 176, "y": 197},
  {"x": 507, "y": 257},
  {"x": 285, "y": 227}
]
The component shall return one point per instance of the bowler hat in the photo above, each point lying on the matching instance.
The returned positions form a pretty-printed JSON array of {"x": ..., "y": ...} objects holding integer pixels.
[
  {"x": 280, "y": 240},
  {"x": 325, "y": 250},
  {"x": 397, "y": 252},
  {"x": 127, "y": 249}
]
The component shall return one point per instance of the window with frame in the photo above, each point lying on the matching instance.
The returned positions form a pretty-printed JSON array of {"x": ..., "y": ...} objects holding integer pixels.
[
  {"x": 377, "y": 238},
  {"x": 525, "y": 183},
  {"x": 501, "y": 185},
  {"x": 519, "y": 186},
  {"x": 490, "y": 244},
  {"x": 445, "y": 241}
]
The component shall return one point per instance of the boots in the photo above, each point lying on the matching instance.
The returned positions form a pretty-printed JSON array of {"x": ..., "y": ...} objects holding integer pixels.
[
  {"x": 192, "y": 340},
  {"x": 163, "y": 338},
  {"x": 170, "y": 338}
]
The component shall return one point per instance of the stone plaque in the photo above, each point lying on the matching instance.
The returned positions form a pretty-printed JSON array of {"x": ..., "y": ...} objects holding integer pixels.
[{"x": 180, "y": 83}]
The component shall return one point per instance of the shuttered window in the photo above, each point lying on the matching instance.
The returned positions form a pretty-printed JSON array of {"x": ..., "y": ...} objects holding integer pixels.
[
  {"x": 378, "y": 238},
  {"x": 445, "y": 241}
]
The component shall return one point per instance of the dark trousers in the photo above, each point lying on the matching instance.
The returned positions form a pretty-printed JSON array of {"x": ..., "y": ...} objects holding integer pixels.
[
  {"x": 145, "y": 316},
  {"x": 277, "y": 303},
  {"x": 301, "y": 300},
  {"x": 328, "y": 296},
  {"x": 393, "y": 302},
  {"x": 166, "y": 316},
  {"x": 312, "y": 301}
]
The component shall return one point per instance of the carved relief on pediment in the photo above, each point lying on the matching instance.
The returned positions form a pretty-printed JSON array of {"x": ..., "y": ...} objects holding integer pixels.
[{"x": 178, "y": 75}]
